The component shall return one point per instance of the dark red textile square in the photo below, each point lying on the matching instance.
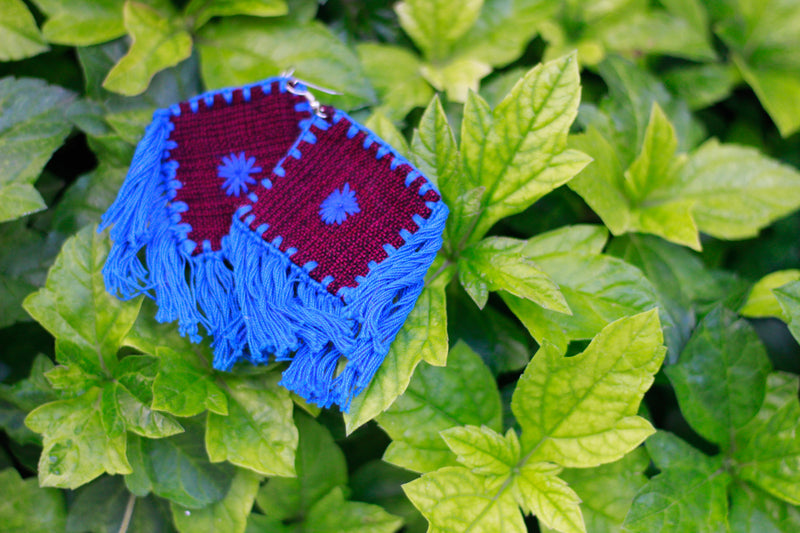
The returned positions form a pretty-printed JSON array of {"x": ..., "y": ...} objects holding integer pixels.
[
  {"x": 291, "y": 207},
  {"x": 263, "y": 127}
]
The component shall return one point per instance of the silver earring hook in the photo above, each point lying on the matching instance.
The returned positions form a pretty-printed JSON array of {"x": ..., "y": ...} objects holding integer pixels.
[{"x": 300, "y": 88}]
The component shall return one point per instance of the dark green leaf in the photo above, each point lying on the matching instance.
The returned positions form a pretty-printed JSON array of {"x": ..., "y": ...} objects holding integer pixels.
[
  {"x": 229, "y": 514},
  {"x": 26, "y": 507}
]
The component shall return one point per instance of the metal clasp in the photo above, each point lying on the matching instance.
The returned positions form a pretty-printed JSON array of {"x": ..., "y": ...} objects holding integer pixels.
[{"x": 300, "y": 88}]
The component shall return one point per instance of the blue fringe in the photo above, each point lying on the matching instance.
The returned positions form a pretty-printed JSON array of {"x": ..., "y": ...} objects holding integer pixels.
[
  {"x": 335, "y": 343},
  {"x": 195, "y": 290}
]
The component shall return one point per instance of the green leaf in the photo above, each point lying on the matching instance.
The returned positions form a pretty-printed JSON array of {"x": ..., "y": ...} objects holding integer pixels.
[
  {"x": 702, "y": 85},
  {"x": 380, "y": 483},
  {"x": 754, "y": 511},
  {"x": 82, "y": 22},
  {"x": 33, "y": 128},
  {"x": 455, "y": 499},
  {"x": 320, "y": 467},
  {"x": 20, "y": 37},
  {"x": 75, "y": 307},
  {"x": 140, "y": 419},
  {"x": 101, "y": 507},
  {"x": 332, "y": 514},
  {"x": 436, "y": 152},
  {"x": 178, "y": 469},
  {"x": 229, "y": 514},
  {"x": 518, "y": 151},
  {"x": 88, "y": 198},
  {"x": 386, "y": 130},
  {"x": 183, "y": 387},
  {"x": 457, "y": 78},
  {"x": 18, "y": 200},
  {"x": 721, "y": 376},
  {"x": 17, "y": 400},
  {"x": 423, "y": 336},
  {"x": 597, "y": 288},
  {"x": 761, "y": 37},
  {"x": 789, "y": 298},
  {"x": 767, "y": 450},
  {"x": 762, "y": 301},
  {"x": 435, "y": 25},
  {"x": 438, "y": 398},
  {"x": 257, "y": 432},
  {"x": 159, "y": 41},
  {"x": 26, "y": 507},
  {"x": 500, "y": 263},
  {"x": 540, "y": 491},
  {"x": 606, "y": 491},
  {"x": 395, "y": 74},
  {"x": 580, "y": 411},
  {"x": 739, "y": 191},
  {"x": 483, "y": 450},
  {"x": 72, "y": 458},
  {"x": 201, "y": 11},
  {"x": 690, "y": 495},
  {"x": 236, "y": 51}
]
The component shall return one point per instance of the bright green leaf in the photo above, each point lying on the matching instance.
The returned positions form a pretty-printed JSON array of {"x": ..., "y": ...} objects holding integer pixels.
[
  {"x": 738, "y": 190},
  {"x": 455, "y": 499},
  {"x": 20, "y": 37},
  {"x": 721, "y": 376},
  {"x": 229, "y": 514},
  {"x": 483, "y": 450},
  {"x": 332, "y": 514},
  {"x": 423, "y": 336},
  {"x": 597, "y": 288},
  {"x": 435, "y": 25},
  {"x": 26, "y": 507},
  {"x": 767, "y": 449},
  {"x": 183, "y": 387},
  {"x": 438, "y": 398},
  {"x": 789, "y": 299},
  {"x": 395, "y": 73},
  {"x": 457, "y": 78},
  {"x": 82, "y": 22},
  {"x": 159, "y": 42},
  {"x": 320, "y": 467},
  {"x": 499, "y": 263},
  {"x": 581, "y": 410},
  {"x": 237, "y": 51},
  {"x": 762, "y": 301},
  {"x": 74, "y": 304},
  {"x": 72, "y": 458},
  {"x": 257, "y": 432},
  {"x": 518, "y": 151},
  {"x": 540, "y": 491},
  {"x": 379, "y": 124},
  {"x": 201, "y": 11}
]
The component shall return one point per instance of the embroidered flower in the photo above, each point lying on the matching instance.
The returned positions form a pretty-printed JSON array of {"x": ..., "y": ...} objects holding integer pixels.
[
  {"x": 236, "y": 170},
  {"x": 339, "y": 205}
]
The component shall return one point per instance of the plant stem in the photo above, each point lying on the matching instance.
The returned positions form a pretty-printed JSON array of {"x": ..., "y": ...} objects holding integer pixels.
[{"x": 126, "y": 518}]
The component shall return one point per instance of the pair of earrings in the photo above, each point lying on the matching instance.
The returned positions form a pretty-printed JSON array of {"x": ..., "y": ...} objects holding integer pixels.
[{"x": 282, "y": 228}]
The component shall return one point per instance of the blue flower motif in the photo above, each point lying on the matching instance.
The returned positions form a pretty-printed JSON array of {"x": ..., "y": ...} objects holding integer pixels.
[
  {"x": 236, "y": 170},
  {"x": 339, "y": 205}
]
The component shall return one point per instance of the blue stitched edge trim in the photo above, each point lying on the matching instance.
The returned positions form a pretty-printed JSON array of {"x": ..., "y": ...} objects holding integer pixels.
[{"x": 227, "y": 93}]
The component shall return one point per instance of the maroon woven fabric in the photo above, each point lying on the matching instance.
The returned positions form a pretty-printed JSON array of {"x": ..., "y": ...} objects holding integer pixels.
[
  {"x": 263, "y": 127},
  {"x": 292, "y": 206}
]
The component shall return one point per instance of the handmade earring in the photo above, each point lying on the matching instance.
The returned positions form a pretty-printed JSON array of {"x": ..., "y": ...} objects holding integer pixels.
[
  {"x": 196, "y": 163},
  {"x": 329, "y": 252}
]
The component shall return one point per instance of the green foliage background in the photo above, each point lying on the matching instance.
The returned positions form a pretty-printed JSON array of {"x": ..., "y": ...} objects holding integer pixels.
[{"x": 607, "y": 341}]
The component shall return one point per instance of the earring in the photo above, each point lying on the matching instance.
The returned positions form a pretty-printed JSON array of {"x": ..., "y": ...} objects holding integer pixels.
[
  {"x": 197, "y": 162},
  {"x": 329, "y": 253}
]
